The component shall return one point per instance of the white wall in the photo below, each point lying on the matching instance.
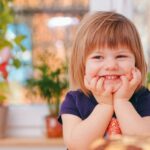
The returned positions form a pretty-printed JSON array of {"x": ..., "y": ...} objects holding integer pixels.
[{"x": 124, "y": 7}]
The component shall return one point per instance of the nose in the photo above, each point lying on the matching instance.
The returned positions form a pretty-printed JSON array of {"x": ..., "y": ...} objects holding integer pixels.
[{"x": 111, "y": 64}]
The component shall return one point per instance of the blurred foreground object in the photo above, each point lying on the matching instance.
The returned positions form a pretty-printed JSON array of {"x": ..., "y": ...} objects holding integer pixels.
[
  {"x": 122, "y": 143},
  {"x": 113, "y": 128}
]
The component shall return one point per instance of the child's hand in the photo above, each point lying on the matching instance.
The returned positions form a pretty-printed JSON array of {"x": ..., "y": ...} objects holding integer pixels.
[
  {"x": 95, "y": 85},
  {"x": 128, "y": 87}
]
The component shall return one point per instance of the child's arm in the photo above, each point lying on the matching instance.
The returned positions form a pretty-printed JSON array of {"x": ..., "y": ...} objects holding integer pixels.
[
  {"x": 130, "y": 121},
  {"x": 79, "y": 134}
]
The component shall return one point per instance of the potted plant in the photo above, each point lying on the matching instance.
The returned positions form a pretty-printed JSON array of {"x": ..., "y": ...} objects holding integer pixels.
[{"x": 51, "y": 83}]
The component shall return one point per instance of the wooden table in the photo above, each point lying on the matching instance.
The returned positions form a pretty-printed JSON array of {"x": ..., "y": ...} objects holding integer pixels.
[{"x": 31, "y": 144}]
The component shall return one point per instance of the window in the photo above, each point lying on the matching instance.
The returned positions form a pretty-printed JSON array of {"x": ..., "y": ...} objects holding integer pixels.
[{"x": 48, "y": 26}]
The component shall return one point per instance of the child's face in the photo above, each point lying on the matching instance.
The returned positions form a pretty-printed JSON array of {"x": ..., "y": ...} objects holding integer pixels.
[{"x": 110, "y": 64}]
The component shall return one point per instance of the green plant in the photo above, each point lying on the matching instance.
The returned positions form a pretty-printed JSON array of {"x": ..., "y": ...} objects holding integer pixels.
[
  {"x": 51, "y": 84},
  {"x": 7, "y": 18},
  {"x": 148, "y": 77},
  {"x": 148, "y": 80}
]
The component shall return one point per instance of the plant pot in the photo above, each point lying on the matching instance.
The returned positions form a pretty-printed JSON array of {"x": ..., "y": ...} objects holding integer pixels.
[
  {"x": 3, "y": 120},
  {"x": 53, "y": 127}
]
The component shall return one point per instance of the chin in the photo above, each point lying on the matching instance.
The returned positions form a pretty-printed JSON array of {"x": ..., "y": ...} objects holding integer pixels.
[{"x": 114, "y": 87}]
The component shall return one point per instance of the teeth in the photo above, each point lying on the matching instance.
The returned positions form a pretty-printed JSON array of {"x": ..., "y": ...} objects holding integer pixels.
[{"x": 111, "y": 77}]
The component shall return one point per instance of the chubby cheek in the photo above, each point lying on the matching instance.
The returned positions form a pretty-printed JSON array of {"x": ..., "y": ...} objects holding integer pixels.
[
  {"x": 89, "y": 75},
  {"x": 129, "y": 74},
  {"x": 128, "y": 68},
  {"x": 91, "y": 71}
]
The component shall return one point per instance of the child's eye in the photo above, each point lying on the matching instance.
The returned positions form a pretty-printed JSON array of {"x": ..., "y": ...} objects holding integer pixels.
[
  {"x": 121, "y": 56},
  {"x": 97, "y": 57}
]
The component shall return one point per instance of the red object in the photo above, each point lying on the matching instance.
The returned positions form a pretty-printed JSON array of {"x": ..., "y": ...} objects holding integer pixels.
[
  {"x": 3, "y": 69},
  {"x": 113, "y": 128},
  {"x": 54, "y": 128}
]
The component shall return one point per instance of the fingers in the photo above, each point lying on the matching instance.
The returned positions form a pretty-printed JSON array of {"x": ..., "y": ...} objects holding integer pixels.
[
  {"x": 108, "y": 90},
  {"x": 125, "y": 82},
  {"x": 134, "y": 82},
  {"x": 90, "y": 85},
  {"x": 136, "y": 77},
  {"x": 100, "y": 84},
  {"x": 95, "y": 84}
]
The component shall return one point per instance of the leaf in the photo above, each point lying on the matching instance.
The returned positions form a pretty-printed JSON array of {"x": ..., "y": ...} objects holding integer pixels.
[
  {"x": 5, "y": 43},
  {"x": 2, "y": 98},
  {"x": 1, "y": 7},
  {"x": 23, "y": 48},
  {"x": 16, "y": 63},
  {"x": 19, "y": 39}
]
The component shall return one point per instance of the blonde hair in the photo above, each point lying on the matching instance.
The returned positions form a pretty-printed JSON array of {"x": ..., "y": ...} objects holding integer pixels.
[{"x": 99, "y": 30}]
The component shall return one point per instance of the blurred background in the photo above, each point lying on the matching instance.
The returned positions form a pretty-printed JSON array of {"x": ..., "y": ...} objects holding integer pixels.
[{"x": 36, "y": 39}]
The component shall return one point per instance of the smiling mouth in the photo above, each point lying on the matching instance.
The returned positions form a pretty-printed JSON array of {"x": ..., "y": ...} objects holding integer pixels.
[{"x": 111, "y": 77}]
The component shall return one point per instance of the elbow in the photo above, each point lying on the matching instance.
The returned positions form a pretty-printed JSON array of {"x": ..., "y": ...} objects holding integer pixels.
[{"x": 71, "y": 144}]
